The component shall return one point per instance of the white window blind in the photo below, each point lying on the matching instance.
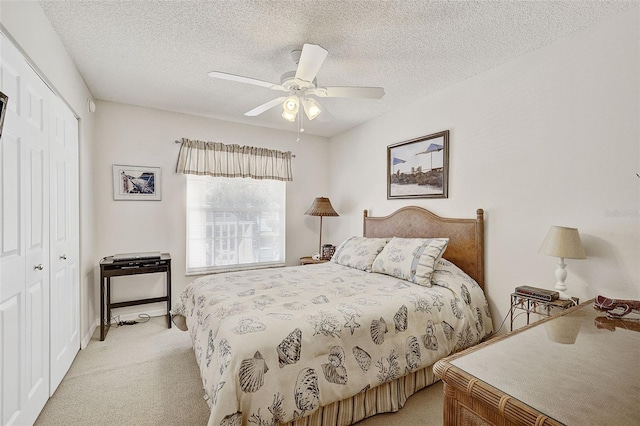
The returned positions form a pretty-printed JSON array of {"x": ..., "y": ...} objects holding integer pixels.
[{"x": 234, "y": 223}]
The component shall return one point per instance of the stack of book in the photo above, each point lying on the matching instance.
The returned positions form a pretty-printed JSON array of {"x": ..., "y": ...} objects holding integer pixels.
[{"x": 537, "y": 293}]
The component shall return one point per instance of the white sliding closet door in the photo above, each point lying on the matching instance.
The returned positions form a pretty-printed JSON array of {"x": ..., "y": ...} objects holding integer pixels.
[
  {"x": 24, "y": 241},
  {"x": 65, "y": 317}
]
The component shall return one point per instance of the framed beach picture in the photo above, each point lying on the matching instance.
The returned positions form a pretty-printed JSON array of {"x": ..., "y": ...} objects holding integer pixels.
[
  {"x": 136, "y": 183},
  {"x": 419, "y": 168}
]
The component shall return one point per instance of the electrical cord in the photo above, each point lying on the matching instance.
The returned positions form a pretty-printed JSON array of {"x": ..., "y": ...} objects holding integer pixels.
[
  {"x": 142, "y": 318},
  {"x": 502, "y": 324}
]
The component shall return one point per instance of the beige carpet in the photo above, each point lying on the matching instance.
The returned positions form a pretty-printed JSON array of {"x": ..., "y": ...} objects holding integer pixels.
[{"x": 146, "y": 374}]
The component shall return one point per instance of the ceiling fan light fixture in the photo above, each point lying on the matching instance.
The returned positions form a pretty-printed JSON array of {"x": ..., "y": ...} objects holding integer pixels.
[
  {"x": 288, "y": 116},
  {"x": 311, "y": 108},
  {"x": 291, "y": 105}
]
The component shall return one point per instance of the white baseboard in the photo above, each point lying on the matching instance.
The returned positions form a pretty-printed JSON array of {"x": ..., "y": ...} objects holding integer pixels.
[{"x": 87, "y": 337}]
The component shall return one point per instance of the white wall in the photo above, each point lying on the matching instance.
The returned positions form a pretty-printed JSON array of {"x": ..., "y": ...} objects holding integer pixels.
[
  {"x": 132, "y": 135},
  {"x": 26, "y": 23},
  {"x": 551, "y": 138}
]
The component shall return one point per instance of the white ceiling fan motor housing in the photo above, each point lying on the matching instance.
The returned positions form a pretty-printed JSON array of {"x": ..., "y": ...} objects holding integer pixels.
[{"x": 289, "y": 81}]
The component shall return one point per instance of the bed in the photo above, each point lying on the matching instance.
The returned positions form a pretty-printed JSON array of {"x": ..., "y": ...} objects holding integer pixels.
[{"x": 334, "y": 343}]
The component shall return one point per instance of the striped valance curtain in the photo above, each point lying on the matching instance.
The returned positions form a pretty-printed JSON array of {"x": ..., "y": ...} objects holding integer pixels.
[{"x": 220, "y": 160}]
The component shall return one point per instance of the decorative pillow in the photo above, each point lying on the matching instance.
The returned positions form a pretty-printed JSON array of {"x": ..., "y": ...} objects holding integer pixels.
[
  {"x": 411, "y": 259},
  {"x": 359, "y": 252},
  {"x": 446, "y": 273}
]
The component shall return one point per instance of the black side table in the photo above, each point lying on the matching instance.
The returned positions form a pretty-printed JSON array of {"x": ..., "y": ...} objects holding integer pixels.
[{"x": 109, "y": 268}]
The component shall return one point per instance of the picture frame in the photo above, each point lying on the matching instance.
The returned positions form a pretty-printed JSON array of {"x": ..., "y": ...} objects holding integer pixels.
[
  {"x": 419, "y": 168},
  {"x": 4, "y": 100},
  {"x": 136, "y": 183}
]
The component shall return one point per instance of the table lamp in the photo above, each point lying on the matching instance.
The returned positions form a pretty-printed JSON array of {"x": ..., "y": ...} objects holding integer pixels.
[
  {"x": 321, "y": 207},
  {"x": 563, "y": 243}
]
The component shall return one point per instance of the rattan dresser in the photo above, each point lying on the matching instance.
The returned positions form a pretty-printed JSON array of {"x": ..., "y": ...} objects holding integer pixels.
[{"x": 576, "y": 368}]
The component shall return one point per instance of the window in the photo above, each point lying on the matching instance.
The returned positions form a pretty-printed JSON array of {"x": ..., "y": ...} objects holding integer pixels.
[{"x": 234, "y": 223}]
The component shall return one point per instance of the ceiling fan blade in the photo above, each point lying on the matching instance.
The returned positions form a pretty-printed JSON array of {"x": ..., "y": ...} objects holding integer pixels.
[
  {"x": 350, "y": 92},
  {"x": 248, "y": 80},
  {"x": 311, "y": 60},
  {"x": 265, "y": 106}
]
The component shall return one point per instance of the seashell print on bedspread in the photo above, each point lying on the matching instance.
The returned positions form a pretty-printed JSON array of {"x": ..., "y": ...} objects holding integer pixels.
[{"x": 274, "y": 345}]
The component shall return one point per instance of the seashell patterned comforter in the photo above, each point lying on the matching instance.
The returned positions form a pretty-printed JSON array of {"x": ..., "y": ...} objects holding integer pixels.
[{"x": 275, "y": 344}]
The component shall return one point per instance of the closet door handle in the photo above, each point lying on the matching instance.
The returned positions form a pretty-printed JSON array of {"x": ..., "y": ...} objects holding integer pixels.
[
  {"x": 39, "y": 267},
  {"x": 63, "y": 257}
]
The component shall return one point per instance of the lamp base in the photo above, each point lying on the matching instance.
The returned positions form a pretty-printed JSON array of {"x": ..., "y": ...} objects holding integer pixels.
[
  {"x": 561, "y": 276},
  {"x": 564, "y": 295}
]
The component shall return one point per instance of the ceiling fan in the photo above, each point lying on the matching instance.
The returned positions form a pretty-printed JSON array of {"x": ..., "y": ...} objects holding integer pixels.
[{"x": 300, "y": 84}]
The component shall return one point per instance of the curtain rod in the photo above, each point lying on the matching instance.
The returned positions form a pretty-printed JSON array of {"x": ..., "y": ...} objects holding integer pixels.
[{"x": 177, "y": 141}]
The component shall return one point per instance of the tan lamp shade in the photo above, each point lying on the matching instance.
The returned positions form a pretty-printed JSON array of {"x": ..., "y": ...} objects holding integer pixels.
[
  {"x": 321, "y": 207},
  {"x": 563, "y": 242}
]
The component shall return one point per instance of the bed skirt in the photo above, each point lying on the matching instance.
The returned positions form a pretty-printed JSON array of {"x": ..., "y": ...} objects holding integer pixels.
[{"x": 386, "y": 398}]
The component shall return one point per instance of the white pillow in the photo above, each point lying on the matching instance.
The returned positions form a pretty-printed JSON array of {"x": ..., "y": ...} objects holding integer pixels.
[
  {"x": 359, "y": 252},
  {"x": 411, "y": 259}
]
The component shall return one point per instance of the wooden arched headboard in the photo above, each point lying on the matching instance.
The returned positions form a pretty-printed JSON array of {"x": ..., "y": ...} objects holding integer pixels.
[{"x": 466, "y": 236}]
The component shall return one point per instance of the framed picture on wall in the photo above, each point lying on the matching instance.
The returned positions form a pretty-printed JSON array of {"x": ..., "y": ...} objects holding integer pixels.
[
  {"x": 136, "y": 183},
  {"x": 419, "y": 168},
  {"x": 4, "y": 99}
]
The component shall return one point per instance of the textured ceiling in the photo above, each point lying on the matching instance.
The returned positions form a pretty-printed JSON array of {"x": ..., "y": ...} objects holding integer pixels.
[{"x": 157, "y": 53}]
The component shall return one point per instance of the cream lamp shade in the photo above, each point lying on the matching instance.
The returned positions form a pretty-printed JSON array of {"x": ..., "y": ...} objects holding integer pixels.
[
  {"x": 563, "y": 243},
  {"x": 321, "y": 207}
]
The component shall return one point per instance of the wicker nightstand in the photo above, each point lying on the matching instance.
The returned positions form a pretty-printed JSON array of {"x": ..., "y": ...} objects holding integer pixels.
[{"x": 308, "y": 260}]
